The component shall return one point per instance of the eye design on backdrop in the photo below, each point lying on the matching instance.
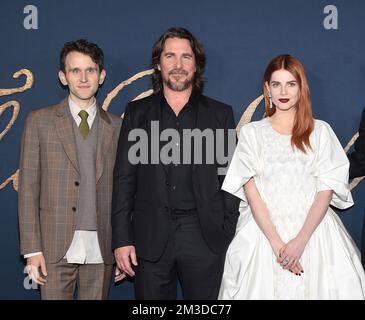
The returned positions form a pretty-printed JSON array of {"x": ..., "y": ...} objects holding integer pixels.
[{"x": 245, "y": 118}]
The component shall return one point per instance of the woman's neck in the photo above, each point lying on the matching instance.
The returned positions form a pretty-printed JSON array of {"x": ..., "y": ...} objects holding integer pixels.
[{"x": 283, "y": 121}]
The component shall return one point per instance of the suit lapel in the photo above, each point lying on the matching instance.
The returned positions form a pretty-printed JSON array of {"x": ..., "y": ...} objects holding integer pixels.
[
  {"x": 65, "y": 132},
  {"x": 105, "y": 139}
]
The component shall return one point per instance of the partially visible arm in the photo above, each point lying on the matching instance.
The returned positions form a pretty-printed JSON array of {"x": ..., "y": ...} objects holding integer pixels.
[
  {"x": 29, "y": 188},
  {"x": 357, "y": 157},
  {"x": 316, "y": 214},
  {"x": 293, "y": 250},
  {"x": 262, "y": 217},
  {"x": 124, "y": 186},
  {"x": 231, "y": 203}
]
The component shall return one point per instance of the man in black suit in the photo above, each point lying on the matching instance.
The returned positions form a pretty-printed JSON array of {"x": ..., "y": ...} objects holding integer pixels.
[
  {"x": 173, "y": 215},
  {"x": 357, "y": 168}
]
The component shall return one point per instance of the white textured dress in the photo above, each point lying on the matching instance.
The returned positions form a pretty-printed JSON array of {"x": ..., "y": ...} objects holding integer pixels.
[{"x": 288, "y": 181}]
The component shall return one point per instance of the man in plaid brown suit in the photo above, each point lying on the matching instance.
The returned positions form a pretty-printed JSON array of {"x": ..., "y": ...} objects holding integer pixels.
[{"x": 65, "y": 188}]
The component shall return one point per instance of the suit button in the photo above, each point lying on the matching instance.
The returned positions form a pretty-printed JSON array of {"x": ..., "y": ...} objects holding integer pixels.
[
  {"x": 76, "y": 183},
  {"x": 167, "y": 183},
  {"x": 74, "y": 209}
]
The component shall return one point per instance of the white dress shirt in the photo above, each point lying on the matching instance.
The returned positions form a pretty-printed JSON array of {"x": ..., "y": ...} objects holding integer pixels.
[{"x": 84, "y": 248}]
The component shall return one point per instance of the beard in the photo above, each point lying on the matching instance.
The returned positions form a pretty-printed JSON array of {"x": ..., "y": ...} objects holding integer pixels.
[{"x": 177, "y": 85}]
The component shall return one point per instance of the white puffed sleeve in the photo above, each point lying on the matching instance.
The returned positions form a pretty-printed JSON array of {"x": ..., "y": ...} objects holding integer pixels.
[
  {"x": 242, "y": 166},
  {"x": 332, "y": 167}
]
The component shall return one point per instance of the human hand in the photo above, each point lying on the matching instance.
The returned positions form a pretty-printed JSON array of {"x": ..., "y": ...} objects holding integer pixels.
[
  {"x": 123, "y": 257},
  {"x": 34, "y": 265},
  {"x": 119, "y": 275},
  {"x": 290, "y": 254}
]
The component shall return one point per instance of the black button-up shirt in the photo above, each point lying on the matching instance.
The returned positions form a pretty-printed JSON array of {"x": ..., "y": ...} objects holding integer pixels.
[{"x": 179, "y": 182}]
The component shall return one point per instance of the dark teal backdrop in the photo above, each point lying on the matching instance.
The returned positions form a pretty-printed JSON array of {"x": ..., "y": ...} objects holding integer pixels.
[{"x": 240, "y": 37}]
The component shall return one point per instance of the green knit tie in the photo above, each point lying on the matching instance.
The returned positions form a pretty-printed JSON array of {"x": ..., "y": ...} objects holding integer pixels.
[{"x": 84, "y": 126}]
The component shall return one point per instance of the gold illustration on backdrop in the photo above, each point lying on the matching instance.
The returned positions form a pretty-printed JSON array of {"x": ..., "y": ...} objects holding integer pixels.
[
  {"x": 16, "y": 109},
  {"x": 245, "y": 118}
]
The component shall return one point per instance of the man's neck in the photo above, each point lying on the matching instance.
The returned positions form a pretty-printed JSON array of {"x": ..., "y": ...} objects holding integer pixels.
[
  {"x": 177, "y": 99},
  {"x": 83, "y": 104}
]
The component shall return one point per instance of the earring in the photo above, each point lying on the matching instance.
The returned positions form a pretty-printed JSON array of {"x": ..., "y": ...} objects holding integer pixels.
[{"x": 270, "y": 100}]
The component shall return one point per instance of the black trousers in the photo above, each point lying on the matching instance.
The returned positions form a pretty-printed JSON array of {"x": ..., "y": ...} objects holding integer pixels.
[{"x": 186, "y": 258}]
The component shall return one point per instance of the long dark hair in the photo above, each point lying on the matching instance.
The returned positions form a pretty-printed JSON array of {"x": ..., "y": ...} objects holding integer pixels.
[{"x": 199, "y": 53}]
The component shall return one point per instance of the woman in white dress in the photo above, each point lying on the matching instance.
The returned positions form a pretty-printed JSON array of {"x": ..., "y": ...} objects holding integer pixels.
[{"x": 287, "y": 169}]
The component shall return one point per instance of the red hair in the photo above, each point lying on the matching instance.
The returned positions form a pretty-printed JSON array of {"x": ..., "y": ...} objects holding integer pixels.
[{"x": 303, "y": 122}]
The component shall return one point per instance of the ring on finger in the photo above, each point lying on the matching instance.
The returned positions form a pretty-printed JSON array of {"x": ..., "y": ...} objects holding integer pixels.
[{"x": 285, "y": 262}]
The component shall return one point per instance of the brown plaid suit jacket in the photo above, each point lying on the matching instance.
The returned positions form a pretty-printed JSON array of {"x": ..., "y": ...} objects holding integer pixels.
[{"x": 49, "y": 178}]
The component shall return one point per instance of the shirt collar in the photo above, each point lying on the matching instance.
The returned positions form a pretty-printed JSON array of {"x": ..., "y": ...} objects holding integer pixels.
[
  {"x": 75, "y": 109},
  {"x": 192, "y": 99}
]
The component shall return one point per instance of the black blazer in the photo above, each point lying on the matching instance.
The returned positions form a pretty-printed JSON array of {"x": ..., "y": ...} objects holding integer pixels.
[
  {"x": 140, "y": 212},
  {"x": 357, "y": 157}
]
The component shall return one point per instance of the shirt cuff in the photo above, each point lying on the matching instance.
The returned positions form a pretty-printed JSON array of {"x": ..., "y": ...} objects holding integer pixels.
[{"x": 29, "y": 255}]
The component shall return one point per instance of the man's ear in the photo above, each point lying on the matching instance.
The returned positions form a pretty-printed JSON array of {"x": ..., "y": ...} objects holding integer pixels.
[
  {"x": 102, "y": 76},
  {"x": 62, "y": 77}
]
